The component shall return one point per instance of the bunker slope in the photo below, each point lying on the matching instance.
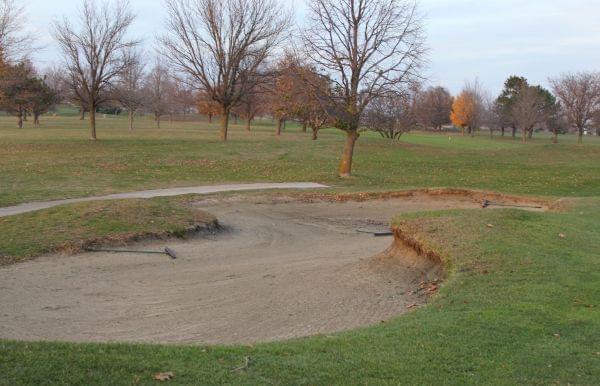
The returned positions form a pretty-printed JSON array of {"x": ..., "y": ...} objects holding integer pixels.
[
  {"x": 282, "y": 269},
  {"x": 207, "y": 189}
]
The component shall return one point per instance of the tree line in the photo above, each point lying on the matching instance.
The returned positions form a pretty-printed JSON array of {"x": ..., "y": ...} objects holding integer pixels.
[
  {"x": 572, "y": 104},
  {"x": 355, "y": 65}
]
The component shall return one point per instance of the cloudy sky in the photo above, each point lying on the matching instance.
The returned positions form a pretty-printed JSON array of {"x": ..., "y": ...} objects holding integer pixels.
[{"x": 468, "y": 39}]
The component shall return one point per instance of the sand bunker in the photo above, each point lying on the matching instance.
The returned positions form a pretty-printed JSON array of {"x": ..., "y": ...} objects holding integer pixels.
[{"x": 281, "y": 269}]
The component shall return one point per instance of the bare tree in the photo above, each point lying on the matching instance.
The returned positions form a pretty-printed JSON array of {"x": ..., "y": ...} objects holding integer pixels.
[
  {"x": 528, "y": 110},
  {"x": 158, "y": 83},
  {"x": 129, "y": 87},
  {"x": 391, "y": 115},
  {"x": 368, "y": 48},
  {"x": 220, "y": 45},
  {"x": 434, "y": 107},
  {"x": 251, "y": 105},
  {"x": 579, "y": 95},
  {"x": 15, "y": 44},
  {"x": 95, "y": 54}
]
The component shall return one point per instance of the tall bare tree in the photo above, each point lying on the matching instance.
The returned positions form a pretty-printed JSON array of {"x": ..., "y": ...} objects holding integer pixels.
[
  {"x": 369, "y": 48},
  {"x": 579, "y": 95},
  {"x": 220, "y": 45},
  {"x": 129, "y": 87},
  {"x": 158, "y": 84},
  {"x": 95, "y": 53},
  {"x": 15, "y": 43}
]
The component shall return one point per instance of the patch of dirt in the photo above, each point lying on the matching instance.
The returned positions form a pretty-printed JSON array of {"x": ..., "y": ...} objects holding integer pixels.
[{"x": 283, "y": 268}]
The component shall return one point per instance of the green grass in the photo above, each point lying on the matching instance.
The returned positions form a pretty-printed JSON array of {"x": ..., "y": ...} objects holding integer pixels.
[
  {"x": 520, "y": 307},
  {"x": 58, "y": 160},
  {"x": 74, "y": 226},
  {"x": 519, "y": 304}
]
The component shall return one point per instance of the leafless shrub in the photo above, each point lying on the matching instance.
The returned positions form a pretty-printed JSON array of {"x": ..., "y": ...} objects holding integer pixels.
[{"x": 391, "y": 115}]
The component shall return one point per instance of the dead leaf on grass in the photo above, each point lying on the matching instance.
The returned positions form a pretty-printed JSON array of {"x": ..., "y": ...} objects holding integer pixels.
[
  {"x": 163, "y": 376},
  {"x": 490, "y": 225},
  {"x": 562, "y": 235},
  {"x": 413, "y": 305}
]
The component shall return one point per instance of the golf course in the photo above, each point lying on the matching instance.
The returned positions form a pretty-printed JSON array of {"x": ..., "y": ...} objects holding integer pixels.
[{"x": 511, "y": 298}]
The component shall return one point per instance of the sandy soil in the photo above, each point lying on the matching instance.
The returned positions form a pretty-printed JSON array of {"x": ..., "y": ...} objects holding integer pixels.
[{"x": 282, "y": 269}]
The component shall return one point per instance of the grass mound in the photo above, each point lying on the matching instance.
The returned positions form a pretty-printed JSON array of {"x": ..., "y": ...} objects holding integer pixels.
[{"x": 73, "y": 227}]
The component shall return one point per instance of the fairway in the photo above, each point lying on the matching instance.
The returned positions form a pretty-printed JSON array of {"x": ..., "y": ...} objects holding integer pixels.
[
  {"x": 315, "y": 192},
  {"x": 58, "y": 161},
  {"x": 480, "y": 290}
]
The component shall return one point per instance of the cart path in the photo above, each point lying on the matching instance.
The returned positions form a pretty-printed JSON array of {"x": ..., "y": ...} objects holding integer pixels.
[{"x": 206, "y": 189}]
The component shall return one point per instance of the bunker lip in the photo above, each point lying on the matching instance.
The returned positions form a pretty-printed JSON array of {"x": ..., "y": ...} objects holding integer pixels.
[
  {"x": 285, "y": 269},
  {"x": 473, "y": 194}
]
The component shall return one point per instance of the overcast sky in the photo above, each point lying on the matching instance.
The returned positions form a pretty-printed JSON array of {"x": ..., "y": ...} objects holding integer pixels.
[{"x": 484, "y": 39}]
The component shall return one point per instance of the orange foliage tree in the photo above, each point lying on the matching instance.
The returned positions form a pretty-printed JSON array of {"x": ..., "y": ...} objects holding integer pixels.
[
  {"x": 466, "y": 111},
  {"x": 207, "y": 106},
  {"x": 285, "y": 91}
]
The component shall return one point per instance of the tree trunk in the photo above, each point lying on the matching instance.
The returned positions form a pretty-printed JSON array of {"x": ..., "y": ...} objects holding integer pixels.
[
  {"x": 210, "y": 118},
  {"x": 157, "y": 120},
  {"x": 580, "y": 138},
  {"x": 36, "y": 119},
  {"x": 92, "y": 121},
  {"x": 304, "y": 124},
  {"x": 224, "y": 124},
  {"x": 248, "y": 124},
  {"x": 20, "y": 119},
  {"x": 462, "y": 131},
  {"x": 530, "y": 134},
  {"x": 491, "y": 133},
  {"x": 82, "y": 114},
  {"x": 346, "y": 162},
  {"x": 514, "y": 131},
  {"x": 315, "y": 132},
  {"x": 554, "y": 135},
  {"x": 524, "y": 135},
  {"x": 279, "y": 124},
  {"x": 502, "y": 128},
  {"x": 130, "y": 120}
]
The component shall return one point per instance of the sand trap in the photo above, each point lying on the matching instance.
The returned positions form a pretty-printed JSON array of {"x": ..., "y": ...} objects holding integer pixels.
[{"x": 281, "y": 270}]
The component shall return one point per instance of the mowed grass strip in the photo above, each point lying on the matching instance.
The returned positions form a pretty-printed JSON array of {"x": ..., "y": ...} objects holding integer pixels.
[
  {"x": 57, "y": 160},
  {"x": 519, "y": 306},
  {"x": 71, "y": 227}
]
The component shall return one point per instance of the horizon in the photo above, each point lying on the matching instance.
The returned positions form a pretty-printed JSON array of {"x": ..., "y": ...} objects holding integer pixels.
[{"x": 467, "y": 40}]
